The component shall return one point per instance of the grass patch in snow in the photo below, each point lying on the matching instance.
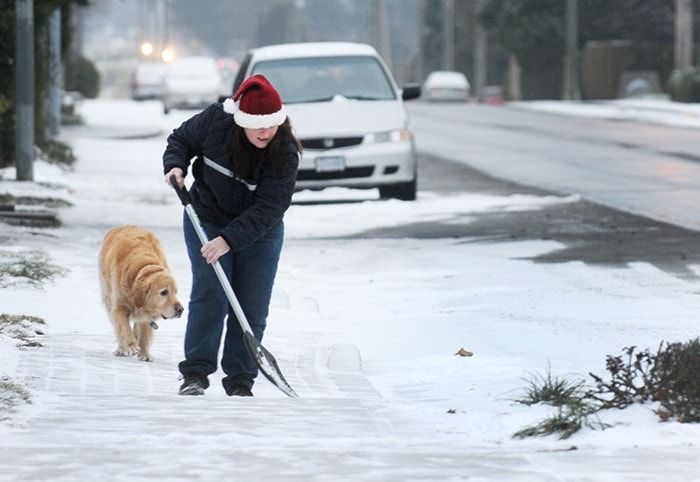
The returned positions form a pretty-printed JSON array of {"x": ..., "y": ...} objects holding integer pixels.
[
  {"x": 26, "y": 268},
  {"x": 11, "y": 395},
  {"x": 22, "y": 328},
  {"x": 48, "y": 202},
  {"x": 573, "y": 411}
]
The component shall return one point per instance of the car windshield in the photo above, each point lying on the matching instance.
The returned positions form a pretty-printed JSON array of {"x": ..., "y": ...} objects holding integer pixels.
[
  {"x": 193, "y": 67},
  {"x": 320, "y": 79}
]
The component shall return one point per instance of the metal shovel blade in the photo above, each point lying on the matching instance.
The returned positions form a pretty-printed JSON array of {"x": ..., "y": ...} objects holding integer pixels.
[{"x": 267, "y": 364}]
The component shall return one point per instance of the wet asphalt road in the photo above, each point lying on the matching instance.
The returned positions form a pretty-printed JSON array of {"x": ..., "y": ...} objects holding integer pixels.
[{"x": 591, "y": 233}]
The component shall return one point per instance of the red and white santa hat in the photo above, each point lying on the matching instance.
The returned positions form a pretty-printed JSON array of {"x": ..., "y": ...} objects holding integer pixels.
[{"x": 256, "y": 104}]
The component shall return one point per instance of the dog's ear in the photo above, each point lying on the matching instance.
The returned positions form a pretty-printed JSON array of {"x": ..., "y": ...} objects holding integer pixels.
[
  {"x": 140, "y": 290},
  {"x": 138, "y": 294}
]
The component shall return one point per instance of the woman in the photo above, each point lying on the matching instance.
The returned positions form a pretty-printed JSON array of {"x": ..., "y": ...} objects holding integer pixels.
[{"x": 245, "y": 165}]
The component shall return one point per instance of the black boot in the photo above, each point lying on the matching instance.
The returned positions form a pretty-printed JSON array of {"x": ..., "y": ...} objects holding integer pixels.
[
  {"x": 193, "y": 384},
  {"x": 238, "y": 391}
]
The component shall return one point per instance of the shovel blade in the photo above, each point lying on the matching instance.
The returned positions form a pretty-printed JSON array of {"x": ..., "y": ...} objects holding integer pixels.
[{"x": 267, "y": 364}]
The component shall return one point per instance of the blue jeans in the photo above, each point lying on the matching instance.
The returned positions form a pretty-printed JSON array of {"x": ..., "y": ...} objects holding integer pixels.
[{"x": 251, "y": 273}]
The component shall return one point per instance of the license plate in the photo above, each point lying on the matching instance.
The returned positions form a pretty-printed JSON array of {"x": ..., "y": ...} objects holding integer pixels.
[{"x": 329, "y": 164}]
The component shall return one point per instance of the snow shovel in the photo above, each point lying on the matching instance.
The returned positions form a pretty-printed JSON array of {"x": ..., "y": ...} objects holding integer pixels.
[{"x": 263, "y": 358}]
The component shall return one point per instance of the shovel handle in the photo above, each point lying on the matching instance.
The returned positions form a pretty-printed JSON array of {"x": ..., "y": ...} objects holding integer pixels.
[{"x": 181, "y": 191}]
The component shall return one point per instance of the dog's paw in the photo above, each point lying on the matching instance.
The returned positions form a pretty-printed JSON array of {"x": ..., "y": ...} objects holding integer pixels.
[
  {"x": 125, "y": 351},
  {"x": 145, "y": 357}
]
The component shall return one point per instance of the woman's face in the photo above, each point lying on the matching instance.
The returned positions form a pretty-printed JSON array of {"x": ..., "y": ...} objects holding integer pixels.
[{"x": 260, "y": 138}]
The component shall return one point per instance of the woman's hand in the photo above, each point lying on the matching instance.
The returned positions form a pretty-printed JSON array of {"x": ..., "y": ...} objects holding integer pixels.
[
  {"x": 215, "y": 249},
  {"x": 179, "y": 177}
]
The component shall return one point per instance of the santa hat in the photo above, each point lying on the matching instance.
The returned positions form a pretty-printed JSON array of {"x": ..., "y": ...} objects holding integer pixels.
[{"x": 256, "y": 104}]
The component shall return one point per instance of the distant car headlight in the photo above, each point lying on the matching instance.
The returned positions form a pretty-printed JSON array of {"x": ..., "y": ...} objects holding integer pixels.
[{"x": 397, "y": 135}]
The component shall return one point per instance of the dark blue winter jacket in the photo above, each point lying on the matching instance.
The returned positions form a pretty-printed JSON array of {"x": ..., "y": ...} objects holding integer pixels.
[{"x": 245, "y": 209}]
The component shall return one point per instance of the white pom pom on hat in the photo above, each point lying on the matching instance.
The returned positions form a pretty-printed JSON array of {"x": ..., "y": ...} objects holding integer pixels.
[{"x": 256, "y": 104}]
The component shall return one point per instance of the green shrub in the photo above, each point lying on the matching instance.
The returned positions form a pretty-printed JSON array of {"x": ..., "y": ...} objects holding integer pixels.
[
  {"x": 684, "y": 85},
  {"x": 85, "y": 78},
  {"x": 670, "y": 376},
  {"x": 57, "y": 152},
  {"x": 633, "y": 379},
  {"x": 678, "y": 386}
]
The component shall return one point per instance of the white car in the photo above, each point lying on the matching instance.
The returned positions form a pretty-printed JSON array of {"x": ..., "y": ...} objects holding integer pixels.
[
  {"x": 148, "y": 81},
  {"x": 191, "y": 83},
  {"x": 446, "y": 86},
  {"x": 346, "y": 110}
]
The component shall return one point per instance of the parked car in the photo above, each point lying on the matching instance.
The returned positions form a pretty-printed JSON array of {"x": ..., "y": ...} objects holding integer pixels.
[
  {"x": 191, "y": 83},
  {"x": 148, "y": 81},
  {"x": 346, "y": 110},
  {"x": 228, "y": 67},
  {"x": 446, "y": 86}
]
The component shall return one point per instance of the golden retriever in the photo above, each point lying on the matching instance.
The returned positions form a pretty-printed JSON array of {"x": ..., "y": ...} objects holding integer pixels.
[{"x": 137, "y": 287}]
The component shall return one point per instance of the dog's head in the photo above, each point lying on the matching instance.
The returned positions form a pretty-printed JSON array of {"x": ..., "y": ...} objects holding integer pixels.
[{"x": 155, "y": 293}]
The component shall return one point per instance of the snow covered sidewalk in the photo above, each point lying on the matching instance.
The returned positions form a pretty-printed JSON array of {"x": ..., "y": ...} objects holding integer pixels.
[
  {"x": 99, "y": 417},
  {"x": 655, "y": 110}
]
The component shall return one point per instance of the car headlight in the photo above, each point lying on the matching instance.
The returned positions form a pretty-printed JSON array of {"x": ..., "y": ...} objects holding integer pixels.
[{"x": 396, "y": 135}]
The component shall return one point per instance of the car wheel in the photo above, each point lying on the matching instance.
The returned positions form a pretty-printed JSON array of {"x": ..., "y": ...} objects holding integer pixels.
[{"x": 405, "y": 191}]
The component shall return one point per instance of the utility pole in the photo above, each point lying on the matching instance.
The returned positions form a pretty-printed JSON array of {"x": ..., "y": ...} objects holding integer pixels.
[
  {"x": 420, "y": 30},
  {"x": 448, "y": 34},
  {"x": 298, "y": 26},
  {"x": 24, "y": 90},
  {"x": 514, "y": 89},
  {"x": 480, "y": 49},
  {"x": 55, "y": 74},
  {"x": 382, "y": 32},
  {"x": 683, "y": 52},
  {"x": 570, "y": 89}
]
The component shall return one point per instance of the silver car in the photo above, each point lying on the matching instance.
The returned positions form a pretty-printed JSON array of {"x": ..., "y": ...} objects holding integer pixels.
[
  {"x": 446, "y": 86},
  {"x": 148, "y": 81},
  {"x": 346, "y": 110},
  {"x": 191, "y": 83}
]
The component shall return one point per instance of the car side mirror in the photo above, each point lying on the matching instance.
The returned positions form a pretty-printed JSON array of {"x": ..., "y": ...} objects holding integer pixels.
[{"x": 410, "y": 91}]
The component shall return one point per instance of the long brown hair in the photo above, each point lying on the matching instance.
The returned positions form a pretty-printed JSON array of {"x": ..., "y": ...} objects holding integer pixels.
[{"x": 248, "y": 160}]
